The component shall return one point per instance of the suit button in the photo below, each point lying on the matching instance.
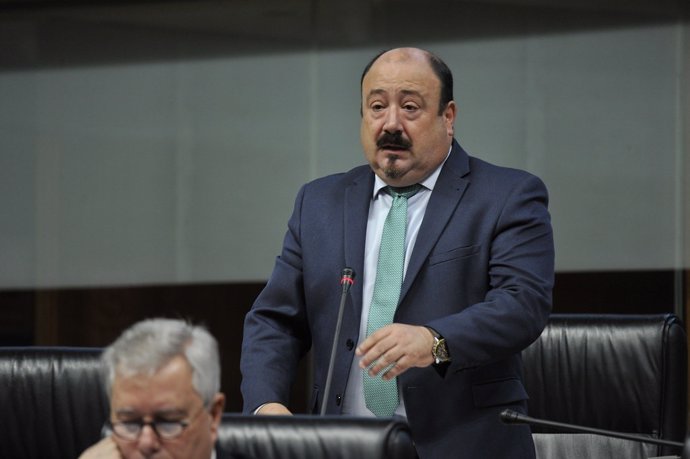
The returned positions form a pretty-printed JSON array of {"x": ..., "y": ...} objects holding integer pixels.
[
  {"x": 338, "y": 399},
  {"x": 350, "y": 344}
]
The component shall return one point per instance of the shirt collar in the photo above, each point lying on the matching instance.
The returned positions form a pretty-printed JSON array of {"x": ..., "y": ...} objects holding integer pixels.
[{"x": 427, "y": 183}]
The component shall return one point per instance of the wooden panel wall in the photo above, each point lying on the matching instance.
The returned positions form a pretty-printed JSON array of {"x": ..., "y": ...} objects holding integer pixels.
[{"x": 96, "y": 316}]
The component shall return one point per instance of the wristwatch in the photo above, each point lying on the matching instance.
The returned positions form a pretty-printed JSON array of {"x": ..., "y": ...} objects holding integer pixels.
[{"x": 439, "y": 351}]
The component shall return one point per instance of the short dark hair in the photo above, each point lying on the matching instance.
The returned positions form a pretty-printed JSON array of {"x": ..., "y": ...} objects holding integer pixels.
[{"x": 439, "y": 68}]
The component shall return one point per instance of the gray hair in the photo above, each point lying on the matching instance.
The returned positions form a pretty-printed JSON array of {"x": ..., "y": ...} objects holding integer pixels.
[{"x": 148, "y": 345}]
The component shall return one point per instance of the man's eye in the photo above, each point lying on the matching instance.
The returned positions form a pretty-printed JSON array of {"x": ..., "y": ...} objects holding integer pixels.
[
  {"x": 131, "y": 426},
  {"x": 170, "y": 429},
  {"x": 410, "y": 107},
  {"x": 377, "y": 107},
  {"x": 168, "y": 426}
]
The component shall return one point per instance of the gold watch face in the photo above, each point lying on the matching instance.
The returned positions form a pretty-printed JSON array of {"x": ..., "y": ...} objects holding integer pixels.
[{"x": 440, "y": 350}]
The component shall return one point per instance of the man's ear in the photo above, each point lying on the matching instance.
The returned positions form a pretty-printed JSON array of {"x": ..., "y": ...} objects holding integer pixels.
[
  {"x": 217, "y": 407},
  {"x": 449, "y": 115},
  {"x": 106, "y": 431}
]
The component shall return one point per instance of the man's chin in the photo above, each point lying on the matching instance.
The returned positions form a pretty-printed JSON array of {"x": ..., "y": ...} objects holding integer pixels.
[
  {"x": 395, "y": 166},
  {"x": 392, "y": 173}
]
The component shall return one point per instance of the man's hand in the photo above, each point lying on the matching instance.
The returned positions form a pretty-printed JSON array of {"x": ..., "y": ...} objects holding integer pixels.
[
  {"x": 104, "y": 449},
  {"x": 405, "y": 345},
  {"x": 274, "y": 409}
]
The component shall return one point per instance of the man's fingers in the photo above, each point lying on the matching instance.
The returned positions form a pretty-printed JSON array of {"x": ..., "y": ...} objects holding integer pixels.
[
  {"x": 372, "y": 340},
  {"x": 400, "y": 367},
  {"x": 405, "y": 346},
  {"x": 384, "y": 362},
  {"x": 376, "y": 353},
  {"x": 273, "y": 409}
]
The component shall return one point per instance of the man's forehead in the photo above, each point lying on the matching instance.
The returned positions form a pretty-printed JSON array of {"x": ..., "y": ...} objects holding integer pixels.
[
  {"x": 410, "y": 80},
  {"x": 413, "y": 70}
]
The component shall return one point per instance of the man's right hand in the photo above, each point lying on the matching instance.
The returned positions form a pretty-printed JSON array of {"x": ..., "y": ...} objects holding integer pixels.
[
  {"x": 104, "y": 449},
  {"x": 274, "y": 409}
]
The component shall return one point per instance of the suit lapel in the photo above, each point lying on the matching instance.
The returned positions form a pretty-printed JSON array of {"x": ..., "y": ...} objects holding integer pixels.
[
  {"x": 356, "y": 214},
  {"x": 444, "y": 200}
]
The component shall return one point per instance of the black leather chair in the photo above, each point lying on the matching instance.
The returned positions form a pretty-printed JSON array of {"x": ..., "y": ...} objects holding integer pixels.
[
  {"x": 624, "y": 373},
  {"x": 52, "y": 402},
  {"x": 304, "y": 437}
]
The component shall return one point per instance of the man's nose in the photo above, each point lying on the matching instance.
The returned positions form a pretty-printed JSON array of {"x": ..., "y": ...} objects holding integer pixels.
[
  {"x": 392, "y": 121},
  {"x": 148, "y": 440}
]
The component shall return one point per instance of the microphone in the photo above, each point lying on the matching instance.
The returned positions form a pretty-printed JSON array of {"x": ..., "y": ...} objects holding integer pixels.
[
  {"x": 513, "y": 417},
  {"x": 347, "y": 278}
]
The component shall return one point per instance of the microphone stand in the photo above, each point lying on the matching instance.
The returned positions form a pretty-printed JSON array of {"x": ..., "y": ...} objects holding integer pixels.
[
  {"x": 513, "y": 417},
  {"x": 346, "y": 280}
]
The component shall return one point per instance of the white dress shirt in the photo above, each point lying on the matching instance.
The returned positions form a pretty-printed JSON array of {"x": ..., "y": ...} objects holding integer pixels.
[{"x": 381, "y": 201}]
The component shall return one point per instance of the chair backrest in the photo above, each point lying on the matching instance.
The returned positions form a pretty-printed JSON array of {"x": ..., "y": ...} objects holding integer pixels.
[
  {"x": 624, "y": 373},
  {"x": 301, "y": 436},
  {"x": 52, "y": 401}
]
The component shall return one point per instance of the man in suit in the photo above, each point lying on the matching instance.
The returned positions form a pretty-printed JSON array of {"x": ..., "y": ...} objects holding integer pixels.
[
  {"x": 478, "y": 272},
  {"x": 163, "y": 380}
]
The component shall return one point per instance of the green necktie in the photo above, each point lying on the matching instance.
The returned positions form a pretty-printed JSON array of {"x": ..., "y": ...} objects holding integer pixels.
[{"x": 381, "y": 396}]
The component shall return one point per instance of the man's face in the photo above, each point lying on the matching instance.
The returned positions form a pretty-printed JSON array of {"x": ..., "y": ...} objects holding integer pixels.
[
  {"x": 167, "y": 395},
  {"x": 403, "y": 136}
]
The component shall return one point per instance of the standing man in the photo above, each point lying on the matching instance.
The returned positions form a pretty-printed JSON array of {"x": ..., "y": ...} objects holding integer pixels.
[
  {"x": 454, "y": 259},
  {"x": 163, "y": 381}
]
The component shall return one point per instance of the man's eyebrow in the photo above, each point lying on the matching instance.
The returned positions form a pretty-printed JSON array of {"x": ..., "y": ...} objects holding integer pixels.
[
  {"x": 410, "y": 92},
  {"x": 376, "y": 92},
  {"x": 405, "y": 92},
  {"x": 174, "y": 412}
]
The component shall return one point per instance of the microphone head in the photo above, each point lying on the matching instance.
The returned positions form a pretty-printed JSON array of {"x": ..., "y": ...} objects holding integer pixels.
[
  {"x": 347, "y": 278},
  {"x": 348, "y": 273},
  {"x": 510, "y": 417}
]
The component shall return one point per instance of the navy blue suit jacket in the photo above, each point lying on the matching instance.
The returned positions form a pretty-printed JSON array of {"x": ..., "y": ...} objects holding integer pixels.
[{"x": 481, "y": 274}]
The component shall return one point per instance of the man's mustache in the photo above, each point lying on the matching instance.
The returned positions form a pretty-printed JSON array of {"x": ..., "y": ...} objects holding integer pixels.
[{"x": 394, "y": 140}]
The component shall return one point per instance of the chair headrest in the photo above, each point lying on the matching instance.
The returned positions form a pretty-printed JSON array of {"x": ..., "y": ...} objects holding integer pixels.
[
  {"x": 301, "y": 436},
  {"x": 52, "y": 400}
]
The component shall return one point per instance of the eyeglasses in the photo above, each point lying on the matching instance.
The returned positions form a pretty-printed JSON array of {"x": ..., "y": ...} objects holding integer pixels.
[{"x": 166, "y": 430}]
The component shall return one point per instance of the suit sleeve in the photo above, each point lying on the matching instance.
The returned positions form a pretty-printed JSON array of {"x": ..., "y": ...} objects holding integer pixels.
[
  {"x": 276, "y": 334},
  {"x": 517, "y": 303}
]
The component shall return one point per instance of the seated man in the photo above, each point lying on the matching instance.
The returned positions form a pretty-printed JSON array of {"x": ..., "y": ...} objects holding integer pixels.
[{"x": 163, "y": 380}]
